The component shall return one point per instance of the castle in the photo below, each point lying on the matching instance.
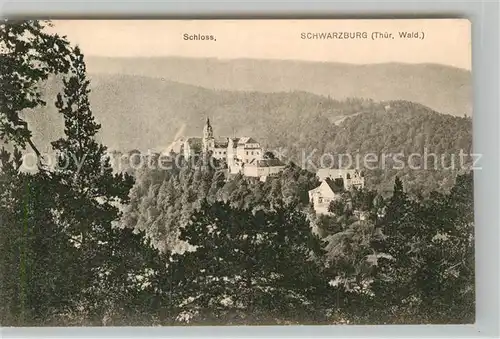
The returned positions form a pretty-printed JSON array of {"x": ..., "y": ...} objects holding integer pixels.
[
  {"x": 246, "y": 156},
  {"x": 242, "y": 155}
]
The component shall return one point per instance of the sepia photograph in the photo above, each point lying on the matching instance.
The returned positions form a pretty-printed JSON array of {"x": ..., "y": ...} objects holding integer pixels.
[{"x": 236, "y": 172}]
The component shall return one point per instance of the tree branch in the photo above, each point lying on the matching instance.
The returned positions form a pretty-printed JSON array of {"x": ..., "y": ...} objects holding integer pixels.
[{"x": 38, "y": 155}]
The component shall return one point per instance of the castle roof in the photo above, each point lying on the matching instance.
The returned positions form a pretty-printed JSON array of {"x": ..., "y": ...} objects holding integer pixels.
[
  {"x": 194, "y": 140},
  {"x": 247, "y": 140},
  {"x": 221, "y": 142},
  {"x": 207, "y": 126},
  {"x": 324, "y": 173}
]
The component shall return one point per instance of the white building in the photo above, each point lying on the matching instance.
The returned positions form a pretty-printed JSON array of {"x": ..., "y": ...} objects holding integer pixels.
[
  {"x": 242, "y": 155},
  {"x": 263, "y": 168},
  {"x": 241, "y": 152},
  {"x": 333, "y": 183},
  {"x": 325, "y": 193}
]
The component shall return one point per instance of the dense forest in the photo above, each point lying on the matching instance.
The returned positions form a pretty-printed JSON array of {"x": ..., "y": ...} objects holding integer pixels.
[
  {"x": 383, "y": 130},
  {"x": 299, "y": 126},
  {"x": 407, "y": 128},
  {"x": 172, "y": 107},
  {"x": 84, "y": 245},
  {"x": 163, "y": 201}
]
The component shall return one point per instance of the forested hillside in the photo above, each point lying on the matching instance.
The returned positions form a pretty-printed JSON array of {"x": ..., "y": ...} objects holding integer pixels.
[
  {"x": 163, "y": 201},
  {"x": 398, "y": 138},
  {"x": 220, "y": 232},
  {"x": 148, "y": 113},
  {"x": 407, "y": 128},
  {"x": 443, "y": 88}
]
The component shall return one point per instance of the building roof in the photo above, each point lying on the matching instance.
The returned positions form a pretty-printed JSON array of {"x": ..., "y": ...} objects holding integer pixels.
[
  {"x": 336, "y": 185},
  {"x": 269, "y": 163},
  {"x": 247, "y": 140},
  {"x": 324, "y": 173}
]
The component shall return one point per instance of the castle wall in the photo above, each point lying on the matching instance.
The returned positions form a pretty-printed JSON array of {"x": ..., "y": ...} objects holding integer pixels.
[
  {"x": 251, "y": 171},
  {"x": 219, "y": 153},
  {"x": 247, "y": 155},
  {"x": 275, "y": 170},
  {"x": 188, "y": 152},
  {"x": 356, "y": 182},
  {"x": 256, "y": 171}
]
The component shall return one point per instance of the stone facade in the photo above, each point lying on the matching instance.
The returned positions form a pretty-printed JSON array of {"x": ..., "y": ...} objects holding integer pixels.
[{"x": 243, "y": 154}]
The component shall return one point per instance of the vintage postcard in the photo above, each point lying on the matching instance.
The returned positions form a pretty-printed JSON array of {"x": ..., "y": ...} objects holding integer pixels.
[{"x": 236, "y": 172}]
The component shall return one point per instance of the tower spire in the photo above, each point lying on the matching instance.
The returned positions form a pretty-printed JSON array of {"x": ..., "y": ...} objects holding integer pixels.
[{"x": 208, "y": 136}]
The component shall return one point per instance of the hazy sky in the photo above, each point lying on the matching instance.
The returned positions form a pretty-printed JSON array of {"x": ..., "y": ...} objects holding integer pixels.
[{"x": 445, "y": 41}]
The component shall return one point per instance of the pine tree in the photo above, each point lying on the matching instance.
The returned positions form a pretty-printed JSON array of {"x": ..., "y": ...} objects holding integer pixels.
[
  {"x": 14, "y": 244},
  {"x": 37, "y": 260},
  {"x": 446, "y": 280},
  {"x": 217, "y": 184},
  {"x": 82, "y": 162},
  {"x": 404, "y": 237},
  {"x": 28, "y": 56},
  {"x": 89, "y": 200}
]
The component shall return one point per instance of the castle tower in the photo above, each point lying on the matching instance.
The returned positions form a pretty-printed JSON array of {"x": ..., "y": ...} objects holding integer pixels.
[{"x": 208, "y": 137}]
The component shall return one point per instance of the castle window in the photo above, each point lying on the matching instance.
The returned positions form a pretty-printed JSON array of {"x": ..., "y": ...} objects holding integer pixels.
[
  {"x": 247, "y": 152},
  {"x": 252, "y": 152},
  {"x": 348, "y": 176}
]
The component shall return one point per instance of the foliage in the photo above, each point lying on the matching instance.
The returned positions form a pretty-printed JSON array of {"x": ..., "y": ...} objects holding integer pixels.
[
  {"x": 37, "y": 259},
  {"x": 432, "y": 247},
  {"x": 162, "y": 201},
  {"x": 28, "y": 55},
  {"x": 89, "y": 197},
  {"x": 75, "y": 238},
  {"x": 248, "y": 268},
  {"x": 393, "y": 135}
]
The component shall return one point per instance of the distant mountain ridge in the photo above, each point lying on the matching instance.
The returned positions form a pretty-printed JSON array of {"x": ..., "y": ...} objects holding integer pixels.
[{"x": 443, "y": 88}]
